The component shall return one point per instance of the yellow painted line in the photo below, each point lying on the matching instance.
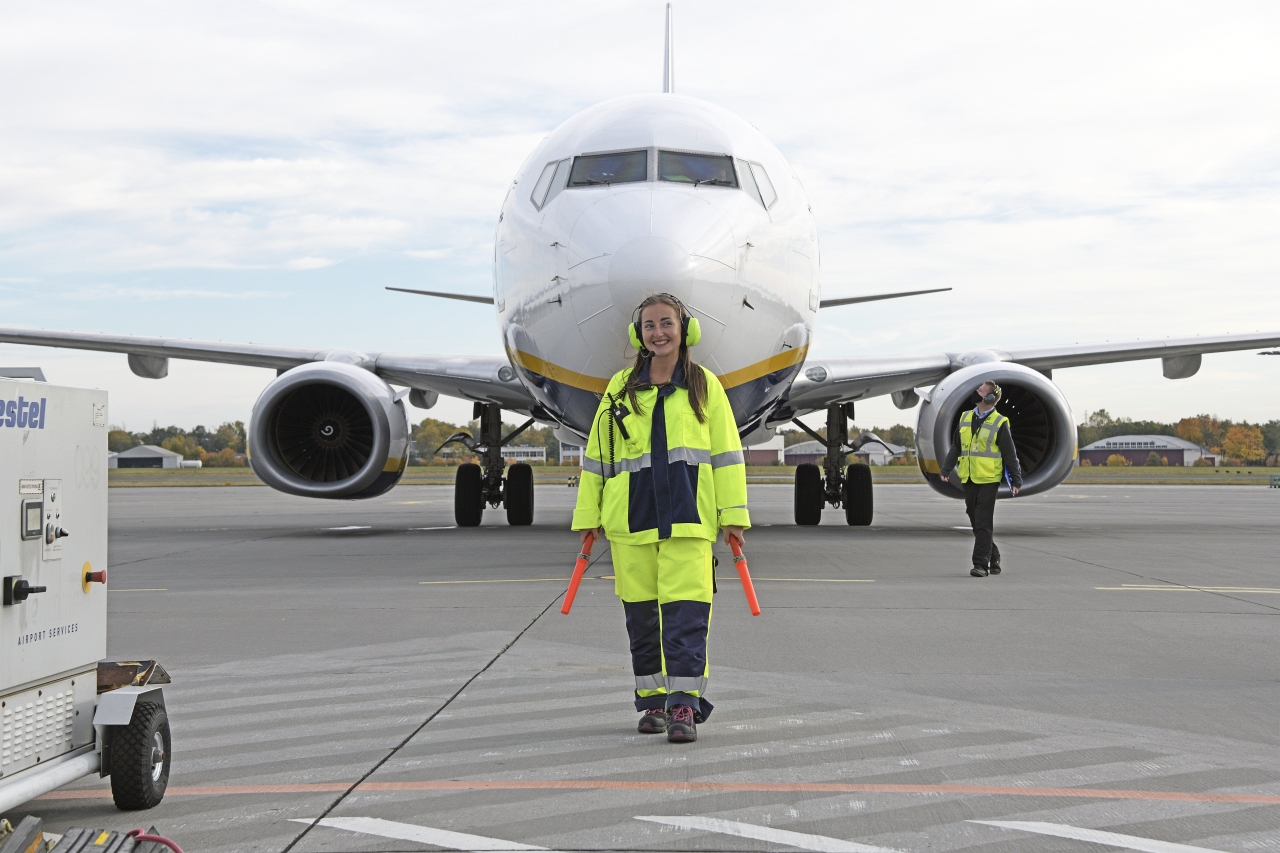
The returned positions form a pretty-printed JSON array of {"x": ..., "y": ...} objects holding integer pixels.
[
  {"x": 596, "y": 385},
  {"x": 798, "y": 580},
  {"x": 555, "y": 372},
  {"x": 505, "y": 580},
  {"x": 156, "y": 589},
  {"x": 773, "y": 364},
  {"x": 1188, "y": 589}
]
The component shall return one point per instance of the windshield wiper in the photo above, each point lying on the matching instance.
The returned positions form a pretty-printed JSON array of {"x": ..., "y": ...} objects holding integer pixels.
[
  {"x": 587, "y": 182},
  {"x": 717, "y": 181}
]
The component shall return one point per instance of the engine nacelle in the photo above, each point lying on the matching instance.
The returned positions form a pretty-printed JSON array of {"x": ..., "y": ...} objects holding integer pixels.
[
  {"x": 1041, "y": 422},
  {"x": 329, "y": 430}
]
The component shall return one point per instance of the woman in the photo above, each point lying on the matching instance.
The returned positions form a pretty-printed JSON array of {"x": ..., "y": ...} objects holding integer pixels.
[{"x": 663, "y": 473}]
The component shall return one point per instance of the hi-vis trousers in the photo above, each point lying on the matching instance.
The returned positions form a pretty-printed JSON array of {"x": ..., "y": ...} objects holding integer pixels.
[{"x": 666, "y": 590}]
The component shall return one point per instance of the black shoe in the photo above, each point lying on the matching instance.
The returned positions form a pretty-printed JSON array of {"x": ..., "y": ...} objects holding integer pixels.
[
  {"x": 978, "y": 572},
  {"x": 682, "y": 728},
  {"x": 994, "y": 568},
  {"x": 653, "y": 722}
]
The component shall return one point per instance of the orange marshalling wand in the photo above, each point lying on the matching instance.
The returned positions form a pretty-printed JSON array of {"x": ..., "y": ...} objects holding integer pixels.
[
  {"x": 579, "y": 569},
  {"x": 744, "y": 574}
]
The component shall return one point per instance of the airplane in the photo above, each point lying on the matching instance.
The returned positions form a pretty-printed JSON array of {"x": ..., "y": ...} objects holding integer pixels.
[{"x": 641, "y": 194}]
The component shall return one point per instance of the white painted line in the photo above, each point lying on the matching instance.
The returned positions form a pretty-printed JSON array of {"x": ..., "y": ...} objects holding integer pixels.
[
  {"x": 962, "y": 528},
  {"x": 447, "y": 527},
  {"x": 422, "y": 834},
  {"x": 1097, "y": 836},
  {"x": 352, "y": 527},
  {"x": 764, "y": 833}
]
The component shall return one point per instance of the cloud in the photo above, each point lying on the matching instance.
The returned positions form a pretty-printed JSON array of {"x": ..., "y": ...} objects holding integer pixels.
[
  {"x": 309, "y": 263},
  {"x": 128, "y": 293}
]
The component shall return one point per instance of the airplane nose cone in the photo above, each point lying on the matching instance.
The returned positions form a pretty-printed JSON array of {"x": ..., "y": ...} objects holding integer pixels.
[{"x": 649, "y": 264}]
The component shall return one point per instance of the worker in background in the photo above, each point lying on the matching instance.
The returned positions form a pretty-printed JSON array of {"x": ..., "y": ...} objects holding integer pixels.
[
  {"x": 662, "y": 475},
  {"x": 984, "y": 449}
]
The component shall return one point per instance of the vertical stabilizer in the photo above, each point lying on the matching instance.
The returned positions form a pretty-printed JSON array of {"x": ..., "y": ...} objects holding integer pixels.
[{"x": 668, "y": 60}]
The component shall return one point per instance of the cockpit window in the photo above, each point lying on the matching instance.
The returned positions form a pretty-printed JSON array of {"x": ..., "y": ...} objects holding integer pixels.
[
  {"x": 711, "y": 170},
  {"x": 543, "y": 184},
  {"x": 767, "y": 193},
  {"x": 606, "y": 169},
  {"x": 549, "y": 184},
  {"x": 748, "y": 183}
]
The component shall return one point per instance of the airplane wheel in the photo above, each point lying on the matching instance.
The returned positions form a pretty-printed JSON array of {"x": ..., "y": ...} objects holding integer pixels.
[
  {"x": 858, "y": 505},
  {"x": 468, "y": 496},
  {"x": 809, "y": 497},
  {"x": 519, "y": 494}
]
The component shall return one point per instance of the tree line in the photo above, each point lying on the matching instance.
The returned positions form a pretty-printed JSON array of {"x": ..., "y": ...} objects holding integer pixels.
[
  {"x": 223, "y": 447},
  {"x": 1238, "y": 442}
]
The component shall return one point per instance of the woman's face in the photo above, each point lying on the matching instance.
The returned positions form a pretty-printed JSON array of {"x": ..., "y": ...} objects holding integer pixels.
[{"x": 660, "y": 329}]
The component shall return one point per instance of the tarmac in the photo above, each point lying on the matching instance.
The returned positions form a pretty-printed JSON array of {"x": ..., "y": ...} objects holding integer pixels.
[{"x": 367, "y": 677}]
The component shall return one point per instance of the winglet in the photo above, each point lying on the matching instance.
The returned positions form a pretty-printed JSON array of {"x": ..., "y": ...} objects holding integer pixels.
[{"x": 668, "y": 60}]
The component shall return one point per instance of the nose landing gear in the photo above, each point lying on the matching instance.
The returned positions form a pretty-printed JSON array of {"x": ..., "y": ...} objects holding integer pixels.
[
  {"x": 477, "y": 485},
  {"x": 850, "y": 487}
]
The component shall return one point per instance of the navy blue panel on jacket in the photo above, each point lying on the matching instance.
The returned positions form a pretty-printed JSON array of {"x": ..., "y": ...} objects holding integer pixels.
[{"x": 666, "y": 492}]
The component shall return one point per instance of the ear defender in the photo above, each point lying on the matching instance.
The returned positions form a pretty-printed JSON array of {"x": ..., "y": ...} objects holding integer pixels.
[{"x": 692, "y": 333}]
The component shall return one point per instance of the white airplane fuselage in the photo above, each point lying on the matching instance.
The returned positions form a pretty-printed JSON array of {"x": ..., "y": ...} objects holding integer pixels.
[{"x": 569, "y": 273}]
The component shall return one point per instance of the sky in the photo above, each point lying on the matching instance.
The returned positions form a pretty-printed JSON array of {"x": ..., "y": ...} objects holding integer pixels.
[{"x": 261, "y": 171}]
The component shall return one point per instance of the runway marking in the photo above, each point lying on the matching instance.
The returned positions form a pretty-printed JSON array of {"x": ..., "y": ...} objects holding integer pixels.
[
  {"x": 156, "y": 589},
  {"x": 423, "y": 834},
  {"x": 1136, "y": 587},
  {"x": 962, "y": 528},
  {"x": 446, "y": 527},
  {"x": 763, "y": 833},
  {"x": 506, "y": 580},
  {"x": 611, "y": 577},
  {"x": 352, "y": 527},
  {"x": 719, "y": 787},
  {"x": 1097, "y": 836}
]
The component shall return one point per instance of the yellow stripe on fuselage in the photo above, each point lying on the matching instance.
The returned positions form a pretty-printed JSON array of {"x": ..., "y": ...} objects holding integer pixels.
[{"x": 594, "y": 384}]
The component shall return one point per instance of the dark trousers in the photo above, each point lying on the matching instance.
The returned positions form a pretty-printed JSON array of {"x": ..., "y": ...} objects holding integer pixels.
[{"x": 980, "y": 504}]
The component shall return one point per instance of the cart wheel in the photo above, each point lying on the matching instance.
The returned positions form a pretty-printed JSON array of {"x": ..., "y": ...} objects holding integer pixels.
[{"x": 140, "y": 758}]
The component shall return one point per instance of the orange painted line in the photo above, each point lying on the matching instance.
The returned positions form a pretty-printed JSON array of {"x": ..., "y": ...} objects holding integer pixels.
[{"x": 721, "y": 787}]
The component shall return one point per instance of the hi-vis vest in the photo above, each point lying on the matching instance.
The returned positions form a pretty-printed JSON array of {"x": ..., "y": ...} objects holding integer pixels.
[
  {"x": 690, "y": 482},
  {"x": 980, "y": 459}
]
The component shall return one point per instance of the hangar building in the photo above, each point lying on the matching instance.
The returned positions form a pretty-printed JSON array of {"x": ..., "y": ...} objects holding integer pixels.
[{"x": 1136, "y": 448}]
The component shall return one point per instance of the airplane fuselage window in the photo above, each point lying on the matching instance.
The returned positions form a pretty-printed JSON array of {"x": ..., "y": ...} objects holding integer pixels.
[
  {"x": 698, "y": 169},
  {"x": 623, "y": 167}
]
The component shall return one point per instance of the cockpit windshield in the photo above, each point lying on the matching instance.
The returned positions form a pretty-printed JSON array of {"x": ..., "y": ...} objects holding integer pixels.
[
  {"x": 710, "y": 170},
  {"x": 606, "y": 169}
]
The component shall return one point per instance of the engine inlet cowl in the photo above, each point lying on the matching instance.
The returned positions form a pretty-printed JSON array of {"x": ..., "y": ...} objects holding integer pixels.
[
  {"x": 1041, "y": 423},
  {"x": 329, "y": 430}
]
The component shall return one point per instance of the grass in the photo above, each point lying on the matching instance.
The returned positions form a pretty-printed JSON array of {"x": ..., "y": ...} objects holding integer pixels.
[{"x": 555, "y": 475}]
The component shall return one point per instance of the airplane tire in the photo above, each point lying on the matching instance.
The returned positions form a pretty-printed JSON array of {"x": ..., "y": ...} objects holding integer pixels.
[
  {"x": 809, "y": 497},
  {"x": 519, "y": 495},
  {"x": 859, "y": 507},
  {"x": 468, "y": 496}
]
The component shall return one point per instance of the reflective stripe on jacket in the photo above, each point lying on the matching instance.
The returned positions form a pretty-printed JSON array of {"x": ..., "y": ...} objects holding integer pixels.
[
  {"x": 672, "y": 476},
  {"x": 980, "y": 457}
]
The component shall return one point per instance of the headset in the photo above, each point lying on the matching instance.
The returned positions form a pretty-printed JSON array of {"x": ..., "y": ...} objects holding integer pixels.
[
  {"x": 691, "y": 329},
  {"x": 991, "y": 398}
]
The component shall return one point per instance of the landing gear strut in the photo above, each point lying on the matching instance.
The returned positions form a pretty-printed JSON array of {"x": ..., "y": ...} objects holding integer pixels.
[
  {"x": 477, "y": 485},
  {"x": 834, "y": 483}
]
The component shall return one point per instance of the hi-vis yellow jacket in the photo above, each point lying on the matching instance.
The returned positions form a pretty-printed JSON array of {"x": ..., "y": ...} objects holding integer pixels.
[
  {"x": 672, "y": 476},
  {"x": 981, "y": 460}
]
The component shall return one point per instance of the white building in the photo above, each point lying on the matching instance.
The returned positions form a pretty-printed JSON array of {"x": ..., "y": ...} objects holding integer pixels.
[
  {"x": 532, "y": 454},
  {"x": 1137, "y": 448},
  {"x": 570, "y": 454},
  {"x": 880, "y": 452},
  {"x": 148, "y": 456}
]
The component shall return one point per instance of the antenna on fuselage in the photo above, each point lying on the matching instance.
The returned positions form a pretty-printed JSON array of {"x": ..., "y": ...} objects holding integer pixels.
[{"x": 668, "y": 60}]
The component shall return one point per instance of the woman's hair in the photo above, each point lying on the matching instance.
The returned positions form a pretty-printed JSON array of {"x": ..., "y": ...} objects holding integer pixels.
[{"x": 694, "y": 379}]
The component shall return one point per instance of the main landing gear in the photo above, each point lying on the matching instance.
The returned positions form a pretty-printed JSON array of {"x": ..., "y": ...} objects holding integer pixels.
[
  {"x": 849, "y": 486},
  {"x": 482, "y": 484}
]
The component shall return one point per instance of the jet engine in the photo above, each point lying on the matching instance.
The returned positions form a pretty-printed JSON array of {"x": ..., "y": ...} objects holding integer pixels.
[
  {"x": 329, "y": 430},
  {"x": 1043, "y": 429}
]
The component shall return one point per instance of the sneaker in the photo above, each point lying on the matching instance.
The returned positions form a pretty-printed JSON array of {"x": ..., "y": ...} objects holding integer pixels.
[
  {"x": 681, "y": 727},
  {"x": 994, "y": 568},
  {"x": 653, "y": 721},
  {"x": 978, "y": 572}
]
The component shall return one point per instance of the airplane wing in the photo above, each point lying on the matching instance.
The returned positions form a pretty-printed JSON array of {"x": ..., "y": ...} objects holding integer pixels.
[
  {"x": 827, "y": 381},
  {"x": 487, "y": 379}
]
